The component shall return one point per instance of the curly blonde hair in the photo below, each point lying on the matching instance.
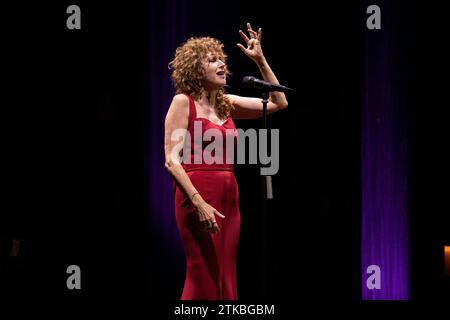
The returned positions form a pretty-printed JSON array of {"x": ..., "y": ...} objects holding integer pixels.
[{"x": 187, "y": 70}]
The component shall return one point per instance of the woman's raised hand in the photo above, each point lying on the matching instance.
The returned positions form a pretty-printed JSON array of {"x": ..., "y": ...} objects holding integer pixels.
[{"x": 253, "y": 42}]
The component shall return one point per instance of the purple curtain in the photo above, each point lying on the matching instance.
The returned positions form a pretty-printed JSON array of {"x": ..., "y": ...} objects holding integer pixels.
[
  {"x": 385, "y": 239},
  {"x": 167, "y": 30}
]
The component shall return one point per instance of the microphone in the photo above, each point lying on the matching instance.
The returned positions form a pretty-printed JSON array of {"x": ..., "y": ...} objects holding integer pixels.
[{"x": 252, "y": 82}]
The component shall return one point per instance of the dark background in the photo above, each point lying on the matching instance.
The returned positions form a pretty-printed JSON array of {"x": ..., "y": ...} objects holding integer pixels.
[{"x": 74, "y": 146}]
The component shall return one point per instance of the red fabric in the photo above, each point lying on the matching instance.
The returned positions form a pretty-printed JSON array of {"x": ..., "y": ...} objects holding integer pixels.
[{"x": 211, "y": 258}]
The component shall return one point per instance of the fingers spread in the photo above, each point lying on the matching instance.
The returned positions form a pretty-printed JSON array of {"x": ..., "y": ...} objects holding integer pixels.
[
  {"x": 244, "y": 36},
  {"x": 241, "y": 47},
  {"x": 253, "y": 33}
]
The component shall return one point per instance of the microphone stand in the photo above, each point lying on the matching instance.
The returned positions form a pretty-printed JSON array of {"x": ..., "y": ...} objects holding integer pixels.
[
  {"x": 266, "y": 180},
  {"x": 267, "y": 193}
]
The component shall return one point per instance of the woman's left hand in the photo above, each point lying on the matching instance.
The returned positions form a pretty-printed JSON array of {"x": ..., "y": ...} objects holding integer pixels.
[{"x": 253, "y": 50}]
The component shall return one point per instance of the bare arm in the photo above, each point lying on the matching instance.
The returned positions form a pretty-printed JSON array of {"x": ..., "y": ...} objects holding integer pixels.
[
  {"x": 245, "y": 107},
  {"x": 176, "y": 124}
]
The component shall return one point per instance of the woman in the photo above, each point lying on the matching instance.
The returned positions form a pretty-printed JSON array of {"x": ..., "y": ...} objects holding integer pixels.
[{"x": 206, "y": 194}]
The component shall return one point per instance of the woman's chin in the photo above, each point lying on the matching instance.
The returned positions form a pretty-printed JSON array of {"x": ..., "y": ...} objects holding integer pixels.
[
  {"x": 219, "y": 86},
  {"x": 216, "y": 85},
  {"x": 222, "y": 84}
]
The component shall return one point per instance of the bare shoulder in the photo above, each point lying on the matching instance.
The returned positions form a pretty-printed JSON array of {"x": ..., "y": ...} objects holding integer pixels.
[
  {"x": 178, "y": 113},
  {"x": 179, "y": 105},
  {"x": 180, "y": 100}
]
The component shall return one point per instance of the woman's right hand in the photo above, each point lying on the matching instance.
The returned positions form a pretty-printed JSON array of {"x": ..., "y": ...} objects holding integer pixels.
[{"x": 206, "y": 214}]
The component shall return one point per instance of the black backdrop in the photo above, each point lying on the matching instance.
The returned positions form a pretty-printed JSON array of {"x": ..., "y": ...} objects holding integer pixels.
[{"x": 75, "y": 150}]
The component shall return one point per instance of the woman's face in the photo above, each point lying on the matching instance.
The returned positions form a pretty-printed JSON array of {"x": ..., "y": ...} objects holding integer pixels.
[{"x": 215, "y": 73}]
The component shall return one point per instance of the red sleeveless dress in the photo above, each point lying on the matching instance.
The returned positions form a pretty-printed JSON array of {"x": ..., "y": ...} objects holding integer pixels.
[{"x": 211, "y": 258}]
